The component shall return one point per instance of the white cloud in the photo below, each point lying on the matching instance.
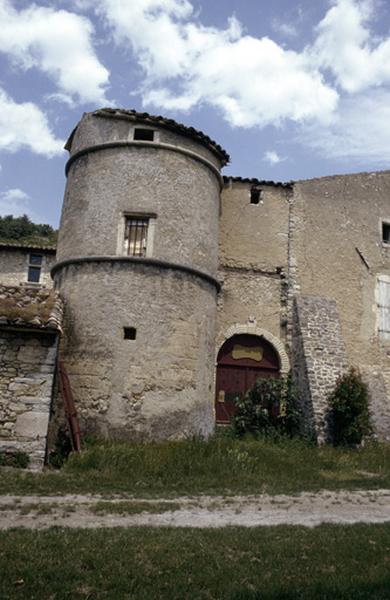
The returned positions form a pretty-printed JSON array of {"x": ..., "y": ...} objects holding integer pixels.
[
  {"x": 252, "y": 81},
  {"x": 284, "y": 29},
  {"x": 345, "y": 46},
  {"x": 272, "y": 157},
  {"x": 26, "y": 126},
  {"x": 256, "y": 82},
  {"x": 57, "y": 42},
  {"x": 360, "y": 132},
  {"x": 14, "y": 202}
]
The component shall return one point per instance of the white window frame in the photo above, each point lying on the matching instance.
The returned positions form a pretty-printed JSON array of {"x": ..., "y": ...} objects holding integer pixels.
[
  {"x": 156, "y": 136},
  {"x": 122, "y": 242}
]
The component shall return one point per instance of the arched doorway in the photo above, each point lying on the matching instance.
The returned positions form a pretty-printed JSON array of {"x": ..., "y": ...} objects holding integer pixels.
[{"x": 241, "y": 361}]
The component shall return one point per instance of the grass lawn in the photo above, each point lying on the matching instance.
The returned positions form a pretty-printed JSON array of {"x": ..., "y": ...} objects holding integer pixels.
[
  {"x": 218, "y": 466},
  {"x": 327, "y": 562}
]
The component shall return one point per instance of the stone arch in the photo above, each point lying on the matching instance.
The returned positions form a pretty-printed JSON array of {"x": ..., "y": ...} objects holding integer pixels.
[{"x": 250, "y": 329}]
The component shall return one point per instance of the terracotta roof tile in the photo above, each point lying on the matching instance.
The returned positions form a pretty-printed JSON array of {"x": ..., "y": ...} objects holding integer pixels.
[
  {"x": 28, "y": 246},
  {"x": 34, "y": 308},
  {"x": 254, "y": 181}
]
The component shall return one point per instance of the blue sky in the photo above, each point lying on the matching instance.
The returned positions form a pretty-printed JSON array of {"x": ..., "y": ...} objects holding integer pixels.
[{"x": 291, "y": 90}]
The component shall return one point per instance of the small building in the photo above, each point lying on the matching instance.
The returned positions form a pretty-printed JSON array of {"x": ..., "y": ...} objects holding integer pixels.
[
  {"x": 30, "y": 326},
  {"x": 23, "y": 263}
]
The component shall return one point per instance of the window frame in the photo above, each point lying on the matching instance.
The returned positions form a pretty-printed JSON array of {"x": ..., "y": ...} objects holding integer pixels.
[
  {"x": 144, "y": 139},
  {"x": 122, "y": 243},
  {"x": 35, "y": 266}
]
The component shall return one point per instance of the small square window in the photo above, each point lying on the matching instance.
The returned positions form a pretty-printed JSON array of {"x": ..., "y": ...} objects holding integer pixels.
[
  {"x": 256, "y": 195},
  {"x": 129, "y": 333},
  {"x": 34, "y": 268},
  {"x": 386, "y": 233},
  {"x": 144, "y": 134}
]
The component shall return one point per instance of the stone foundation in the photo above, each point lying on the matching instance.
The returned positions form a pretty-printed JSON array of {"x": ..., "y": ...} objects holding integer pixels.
[{"x": 27, "y": 364}]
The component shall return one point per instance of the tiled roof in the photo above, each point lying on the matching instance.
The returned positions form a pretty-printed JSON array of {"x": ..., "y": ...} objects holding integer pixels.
[
  {"x": 254, "y": 181},
  {"x": 34, "y": 308},
  {"x": 28, "y": 246},
  {"x": 144, "y": 117}
]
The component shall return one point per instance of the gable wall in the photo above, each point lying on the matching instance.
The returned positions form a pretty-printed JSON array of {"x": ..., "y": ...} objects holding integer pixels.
[
  {"x": 14, "y": 266},
  {"x": 335, "y": 218}
]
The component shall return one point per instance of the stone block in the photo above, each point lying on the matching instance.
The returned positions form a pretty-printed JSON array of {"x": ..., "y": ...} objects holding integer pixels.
[{"x": 32, "y": 424}]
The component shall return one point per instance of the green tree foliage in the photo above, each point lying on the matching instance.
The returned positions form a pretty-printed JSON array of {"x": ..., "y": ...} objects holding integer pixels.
[
  {"x": 349, "y": 419},
  {"x": 22, "y": 229},
  {"x": 269, "y": 408}
]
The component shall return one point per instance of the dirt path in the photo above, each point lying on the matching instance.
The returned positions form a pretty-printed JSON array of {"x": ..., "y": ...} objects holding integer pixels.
[{"x": 310, "y": 509}]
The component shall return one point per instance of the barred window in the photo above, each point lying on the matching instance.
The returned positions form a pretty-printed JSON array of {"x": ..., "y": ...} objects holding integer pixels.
[
  {"x": 136, "y": 234},
  {"x": 34, "y": 268}
]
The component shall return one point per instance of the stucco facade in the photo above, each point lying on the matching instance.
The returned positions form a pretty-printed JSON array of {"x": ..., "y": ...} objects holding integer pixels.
[
  {"x": 159, "y": 384},
  {"x": 302, "y": 266}
]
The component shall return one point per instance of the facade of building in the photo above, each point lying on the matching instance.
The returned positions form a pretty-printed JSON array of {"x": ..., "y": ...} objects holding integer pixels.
[{"x": 181, "y": 287}]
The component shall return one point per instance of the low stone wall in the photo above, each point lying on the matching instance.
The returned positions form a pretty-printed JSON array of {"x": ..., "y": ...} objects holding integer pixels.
[
  {"x": 27, "y": 364},
  {"x": 319, "y": 358}
]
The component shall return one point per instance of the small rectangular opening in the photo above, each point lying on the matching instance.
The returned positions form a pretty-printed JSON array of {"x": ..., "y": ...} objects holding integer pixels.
[
  {"x": 386, "y": 233},
  {"x": 144, "y": 134},
  {"x": 256, "y": 196},
  {"x": 129, "y": 333}
]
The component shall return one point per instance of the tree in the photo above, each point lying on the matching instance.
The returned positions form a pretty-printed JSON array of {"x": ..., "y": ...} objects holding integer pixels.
[{"x": 22, "y": 229}]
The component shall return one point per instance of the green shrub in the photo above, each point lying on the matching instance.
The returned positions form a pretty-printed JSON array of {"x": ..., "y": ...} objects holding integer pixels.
[
  {"x": 348, "y": 416},
  {"x": 19, "y": 460},
  {"x": 269, "y": 408}
]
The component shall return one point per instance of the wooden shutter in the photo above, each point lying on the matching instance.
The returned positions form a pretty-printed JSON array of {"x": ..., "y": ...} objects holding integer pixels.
[{"x": 383, "y": 307}]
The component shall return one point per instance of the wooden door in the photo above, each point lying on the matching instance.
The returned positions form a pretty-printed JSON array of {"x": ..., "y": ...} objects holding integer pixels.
[{"x": 241, "y": 361}]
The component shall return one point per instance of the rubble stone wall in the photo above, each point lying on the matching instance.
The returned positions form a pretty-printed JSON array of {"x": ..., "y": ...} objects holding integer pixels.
[
  {"x": 27, "y": 364},
  {"x": 319, "y": 358}
]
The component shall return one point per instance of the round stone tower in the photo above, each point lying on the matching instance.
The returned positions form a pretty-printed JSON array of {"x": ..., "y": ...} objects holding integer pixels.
[{"x": 137, "y": 260}]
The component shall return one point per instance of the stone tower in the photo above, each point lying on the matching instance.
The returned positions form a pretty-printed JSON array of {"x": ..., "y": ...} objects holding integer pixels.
[{"x": 136, "y": 266}]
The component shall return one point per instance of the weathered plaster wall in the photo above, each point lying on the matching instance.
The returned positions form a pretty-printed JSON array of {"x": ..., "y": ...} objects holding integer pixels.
[
  {"x": 27, "y": 363},
  {"x": 332, "y": 218},
  {"x": 254, "y": 235},
  {"x": 105, "y": 185},
  {"x": 253, "y": 258},
  {"x": 14, "y": 266},
  {"x": 157, "y": 386}
]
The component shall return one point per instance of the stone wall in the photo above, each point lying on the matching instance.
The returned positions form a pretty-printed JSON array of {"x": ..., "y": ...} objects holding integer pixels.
[
  {"x": 14, "y": 266},
  {"x": 319, "y": 358},
  {"x": 158, "y": 385},
  {"x": 336, "y": 252},
  {"x": 253, "y": 259},
  {"x": 27, "y": 363}
]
